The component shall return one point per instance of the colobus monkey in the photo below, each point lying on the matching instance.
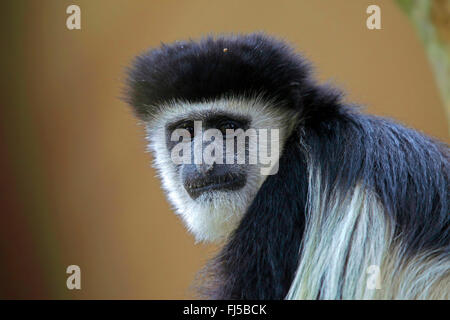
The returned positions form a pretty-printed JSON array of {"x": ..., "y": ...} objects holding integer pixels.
[{"x": 350, "y": 206}]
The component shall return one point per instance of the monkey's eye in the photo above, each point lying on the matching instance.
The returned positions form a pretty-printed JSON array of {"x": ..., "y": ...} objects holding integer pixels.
[
  {"x": 228, "y": 124},
  {"x": 188, "y": 125}
]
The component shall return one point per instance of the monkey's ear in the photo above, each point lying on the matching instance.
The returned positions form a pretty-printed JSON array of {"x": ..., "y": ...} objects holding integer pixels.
[
  {"x": 133, "y": 93},
  {"x": 138, "y": 91}
]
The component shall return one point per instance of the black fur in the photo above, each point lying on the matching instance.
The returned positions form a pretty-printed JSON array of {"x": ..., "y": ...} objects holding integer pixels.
[
  {"x": 260, "y": 259},
  {"x": 408, "y": 171},
  {"x": 198, "y": 71}
]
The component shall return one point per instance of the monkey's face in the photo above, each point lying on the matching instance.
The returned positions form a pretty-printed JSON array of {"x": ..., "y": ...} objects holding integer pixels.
[
  {"x": 208, "y": 166},
  {"x": 212, "y": 158}
]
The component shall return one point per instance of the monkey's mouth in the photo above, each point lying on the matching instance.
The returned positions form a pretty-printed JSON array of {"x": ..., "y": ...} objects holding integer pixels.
[{"x": 197, "y": 187}]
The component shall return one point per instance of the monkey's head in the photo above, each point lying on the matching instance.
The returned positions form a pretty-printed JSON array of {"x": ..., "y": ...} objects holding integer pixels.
[{"x": 218, "y": 113}]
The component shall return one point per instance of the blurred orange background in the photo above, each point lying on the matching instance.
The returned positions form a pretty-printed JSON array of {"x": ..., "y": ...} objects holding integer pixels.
[{"x": 76, "y": 186}]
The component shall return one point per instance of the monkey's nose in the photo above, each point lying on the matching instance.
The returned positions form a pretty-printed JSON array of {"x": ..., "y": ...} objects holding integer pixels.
[
  {"x": 198, "y": 179},
  {"x": 204, "y": 168}
]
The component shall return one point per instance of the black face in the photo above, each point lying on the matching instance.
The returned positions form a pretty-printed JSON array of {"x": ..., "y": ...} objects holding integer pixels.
[{"x": 200, "y": 178}]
